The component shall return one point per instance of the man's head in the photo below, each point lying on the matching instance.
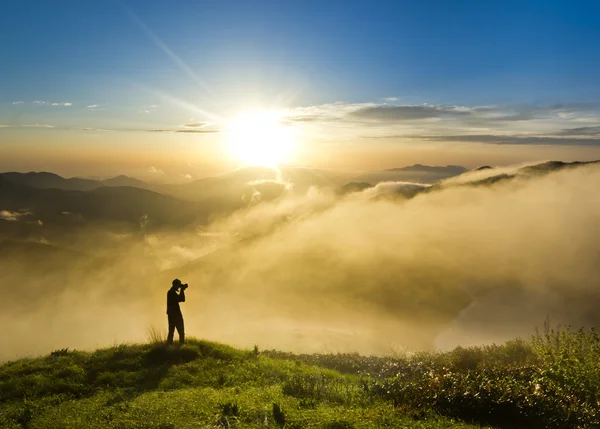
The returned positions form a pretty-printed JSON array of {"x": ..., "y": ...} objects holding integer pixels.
[{"x": 176, "y": 284}]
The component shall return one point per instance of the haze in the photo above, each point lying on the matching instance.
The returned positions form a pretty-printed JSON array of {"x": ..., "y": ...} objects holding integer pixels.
[{"x": 311, "y": 170}]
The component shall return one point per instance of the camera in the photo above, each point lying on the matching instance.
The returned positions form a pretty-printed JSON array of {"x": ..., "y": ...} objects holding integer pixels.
[{"x": 184, "y": 286}]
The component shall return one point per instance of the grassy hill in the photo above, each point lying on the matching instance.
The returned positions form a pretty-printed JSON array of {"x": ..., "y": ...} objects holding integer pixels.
[{"x": 550, "y": 382}]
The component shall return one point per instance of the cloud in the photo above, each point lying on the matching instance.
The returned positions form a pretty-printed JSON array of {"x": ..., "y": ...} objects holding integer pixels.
[
  {"x": 402, "y": 113},
  {"x": 190, "y": 131},
  {"x": 466, "y": 118},
  {"x": 581, "y": 131},
  {"x": 401, "y": 271},
  {"x": 323, "y": 112},
  {"x": 152, "y": 169},
  {"x": 10, "y": 216},
  {"x": 517, "y": 140},
  {"x": 307, "y": 118},
  {"x": 148, "y": 109},
  {"x": 390, "y": 99},
  {"x": 28, "y": 126},
  {"x": 89, "y": 129},
  {"x": 200, "y": 124},
  {"x": 376, "y": 272},
  {"x": 405, "y": 189},
  {"x": 198, "y": 131},
  {"x": 18, "y": 102},
  {"x": 14, "y": 216},
  {"x": 373, "y": 112},
  {"x": 92, "y": 106},
  {"x": 55, "y": 104},
  {"x": 37, "y": 126}
]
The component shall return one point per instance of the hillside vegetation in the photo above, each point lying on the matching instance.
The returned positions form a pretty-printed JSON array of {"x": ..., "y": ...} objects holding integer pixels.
[{"x": 552, "y": 381}]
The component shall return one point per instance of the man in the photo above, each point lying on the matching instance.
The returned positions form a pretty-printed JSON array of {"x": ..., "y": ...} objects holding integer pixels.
[{"x": 174, "y": 312}]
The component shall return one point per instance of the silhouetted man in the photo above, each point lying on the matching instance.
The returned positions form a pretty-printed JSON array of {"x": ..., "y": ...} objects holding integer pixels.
[{"x": 174, "y": 312}]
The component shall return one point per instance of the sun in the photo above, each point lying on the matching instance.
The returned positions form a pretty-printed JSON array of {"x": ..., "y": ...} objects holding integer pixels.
[{"x": 261, "y": 139}]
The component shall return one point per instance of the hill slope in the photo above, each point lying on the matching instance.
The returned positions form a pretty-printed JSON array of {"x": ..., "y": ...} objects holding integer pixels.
[
  {"x": 198, "y": 385},
  {"x": 413, "y": 173},
  {"x": 115, "y": 204},
  {"x": 201, "y": 384}
]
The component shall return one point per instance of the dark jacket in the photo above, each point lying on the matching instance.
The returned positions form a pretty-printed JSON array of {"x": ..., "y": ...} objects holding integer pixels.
[{"x": 173, "y": 300}]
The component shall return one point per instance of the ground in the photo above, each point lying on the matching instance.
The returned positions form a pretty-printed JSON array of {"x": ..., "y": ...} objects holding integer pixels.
[{"x": 204, "y": 385}]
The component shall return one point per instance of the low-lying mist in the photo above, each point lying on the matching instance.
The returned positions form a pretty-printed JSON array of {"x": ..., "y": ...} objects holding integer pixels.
[{"x": 316, "y": 271}]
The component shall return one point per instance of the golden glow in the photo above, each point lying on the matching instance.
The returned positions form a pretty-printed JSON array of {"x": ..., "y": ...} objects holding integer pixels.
[{"x": 260, "y": 138}]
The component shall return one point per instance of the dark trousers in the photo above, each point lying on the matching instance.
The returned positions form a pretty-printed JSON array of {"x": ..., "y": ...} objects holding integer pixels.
[{"x": 175, "y": 322}]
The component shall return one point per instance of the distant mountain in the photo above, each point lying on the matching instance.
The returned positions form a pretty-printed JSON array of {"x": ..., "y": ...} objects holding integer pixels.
[
  {"x": 125, "y": 181},
  {"x": 351, "y": 187},
  {"x": 225, "y": 192},
  {"x": 417, "y": 173},
  {"x": 112, "y": 204},
  {"x": 448, "y": 169},
  {"x": 550, "y": 166},
  {"x": 491, "y": 179},
  {"x": 231, "y": 189},
  {"x": 45, "y": 180},
  {"x": 501, "y": 176}
]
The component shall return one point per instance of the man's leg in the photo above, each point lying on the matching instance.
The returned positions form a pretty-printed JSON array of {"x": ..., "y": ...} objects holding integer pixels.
[
  {"x": 180, "y": 331},
  {"x": 171, "y": 330}
]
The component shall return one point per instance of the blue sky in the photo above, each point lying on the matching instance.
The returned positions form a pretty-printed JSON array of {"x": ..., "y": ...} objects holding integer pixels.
[
  {"x": 466, "y": 52},
  {"x": 159, "y": 64}
]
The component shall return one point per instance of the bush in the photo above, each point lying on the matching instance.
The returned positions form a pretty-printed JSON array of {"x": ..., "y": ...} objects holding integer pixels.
[{"x": 552, "y": 381}]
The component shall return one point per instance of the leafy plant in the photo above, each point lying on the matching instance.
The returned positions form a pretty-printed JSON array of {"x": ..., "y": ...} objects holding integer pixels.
[{"x": 278, "y": 415}]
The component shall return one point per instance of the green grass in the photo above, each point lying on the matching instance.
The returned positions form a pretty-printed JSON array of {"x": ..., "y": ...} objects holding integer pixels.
[{"x": 551, "y": 381}]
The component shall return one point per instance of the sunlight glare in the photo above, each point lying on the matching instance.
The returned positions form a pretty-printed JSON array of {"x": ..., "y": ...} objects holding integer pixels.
[{"x": 261, "y": 139}]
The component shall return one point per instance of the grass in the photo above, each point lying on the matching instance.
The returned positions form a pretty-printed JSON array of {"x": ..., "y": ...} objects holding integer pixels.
[{"x": 551, "y": 381}]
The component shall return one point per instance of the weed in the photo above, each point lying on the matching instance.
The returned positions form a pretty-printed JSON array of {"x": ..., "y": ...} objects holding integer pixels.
[
  {"x": 155, "y": 335},
  {"x": 60, "y": 352},
  {"x": 229, "y": 413}
]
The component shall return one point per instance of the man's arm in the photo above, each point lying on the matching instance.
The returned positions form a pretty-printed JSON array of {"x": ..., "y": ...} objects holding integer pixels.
[{"x": 182, "y": 296}]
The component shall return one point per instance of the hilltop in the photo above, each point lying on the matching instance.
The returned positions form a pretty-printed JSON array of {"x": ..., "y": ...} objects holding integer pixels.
[
  {"x": 548, "y": 382},
  {"x": 201, "y": 384}
]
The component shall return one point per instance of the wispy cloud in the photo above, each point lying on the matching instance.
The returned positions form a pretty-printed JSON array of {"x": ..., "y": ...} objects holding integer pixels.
[
  {"x": 185, "y": 131},
  {"x": 200, "y": 124},
  {"x": 403, "y": 113},
  {"x": 153, "y": 170},
  {"x": 390, "y": 113},
  {"x": 581, "y": 131},
  {"x": 492, "y": 124},
  {"x": 10, "y": 216},
  {"x": 18, "y": 102},
  {"x": 517, "y": 140},
  {"x": 89, "y": 129},
  {"x": 96, "y": 107},
  {"x": 46, "y": 103},
  {"x": 148, "y": 109},
  {"x": 13, "y": 216},
  {"x": 36, "y": 126}
]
